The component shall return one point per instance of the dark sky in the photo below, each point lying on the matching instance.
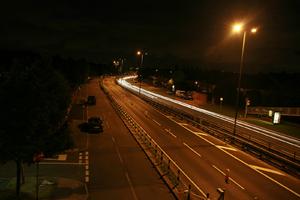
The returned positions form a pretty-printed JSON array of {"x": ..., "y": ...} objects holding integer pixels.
[{"x": 172, "y": 32}]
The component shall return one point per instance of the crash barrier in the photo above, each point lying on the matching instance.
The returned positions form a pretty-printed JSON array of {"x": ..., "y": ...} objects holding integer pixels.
[
  {"x": 275, "y": 154},
  {"x": 178, "y": 182}
]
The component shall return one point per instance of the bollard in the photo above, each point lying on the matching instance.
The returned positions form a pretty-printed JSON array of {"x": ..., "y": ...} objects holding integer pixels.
[
  {"x": 189, "y": 193},
  {"x": 222, "y": 194}
]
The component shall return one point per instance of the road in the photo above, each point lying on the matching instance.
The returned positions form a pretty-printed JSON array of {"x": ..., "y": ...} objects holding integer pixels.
[
  {"x": 118, "y": 168},
  {"x": 288, "y": 146},
  {"x": 206, "y": 159}
]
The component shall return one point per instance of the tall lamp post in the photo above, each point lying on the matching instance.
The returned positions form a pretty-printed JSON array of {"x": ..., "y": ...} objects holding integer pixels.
[
  {"x": 140, "y": 53},
  {"x": 237, "y": 28}
]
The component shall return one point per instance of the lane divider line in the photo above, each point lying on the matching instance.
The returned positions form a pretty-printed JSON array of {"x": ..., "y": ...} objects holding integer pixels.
[
  {"x": 156, "y": 122},
  {"x": 117, "y": 150},
  {"x": 198, "y": 154},
  {"x": 195, "y": 185},
  {"x": 268, "y": 170},
  {"x": 227, "y": 148},
  {"x": 167, "y": 130},
  {"x": 131, "y": 186},
  {"x": 266, "y": 176},
  {"x": 229, "y": 177},
  {"x": 199, "y": 133},
  {"x": 126, "y": 173}
]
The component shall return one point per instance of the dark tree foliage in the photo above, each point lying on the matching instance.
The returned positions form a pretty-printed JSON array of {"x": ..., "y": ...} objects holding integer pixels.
[
  {"x": 75, "y": 71},
  {"x": 34, "y": 99}
]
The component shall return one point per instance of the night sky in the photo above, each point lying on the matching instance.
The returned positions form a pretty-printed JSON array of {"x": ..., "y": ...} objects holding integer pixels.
[{"x": 190, "y": 32}]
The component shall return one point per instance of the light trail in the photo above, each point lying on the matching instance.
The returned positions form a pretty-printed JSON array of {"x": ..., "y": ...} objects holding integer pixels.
[{"x": 268, "y": 133}]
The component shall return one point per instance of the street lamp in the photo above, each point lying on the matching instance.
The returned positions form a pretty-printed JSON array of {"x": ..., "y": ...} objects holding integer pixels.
[
  {"x": 140, "y": 53},
  {"x": 221, "y": 102},
  {"x": 237, "y": 28}
]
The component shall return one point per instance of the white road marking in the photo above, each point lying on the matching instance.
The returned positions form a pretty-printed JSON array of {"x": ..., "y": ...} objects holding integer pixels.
[
  {"x": 117, "y": 150},
  {"x": 156, "y": 122},
  {"x": 127, "y": 176},
  {"x": 167, "y": 130},
  {"x": 227, "y": 148},
  {"x": 195, "y": 185},
  {"x": 131, "y": 186},
  {"x": 87, "y": 179},
  {"x": 267, "y": 170},
  {"x": 86, "y": 167},
  {"x": 199, "y": 133},
  {"x": 80, "y": 157},
  {"x": 268, "y": 177},
  {"x": 87, "y": 173},
  {"x": 229, "y": 177},
  {"x": 192, "y": 149}
]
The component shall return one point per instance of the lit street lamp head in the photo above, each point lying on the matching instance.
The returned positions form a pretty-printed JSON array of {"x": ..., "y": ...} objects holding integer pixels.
[
  {"x": 139, "y": 53},
  {"x": 237, "y": 27}
]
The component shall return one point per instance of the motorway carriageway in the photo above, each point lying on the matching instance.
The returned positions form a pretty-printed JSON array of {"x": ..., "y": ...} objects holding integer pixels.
[
  {"x": 206, "y": 159},
  {"x": 279, "y": 138}
]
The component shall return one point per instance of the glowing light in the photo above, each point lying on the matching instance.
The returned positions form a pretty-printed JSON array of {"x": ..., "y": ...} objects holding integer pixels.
[
  {"x": 138, "y": 53},
  {"x": 253, "y": 30},
  {"x": 237, "y": 27}
]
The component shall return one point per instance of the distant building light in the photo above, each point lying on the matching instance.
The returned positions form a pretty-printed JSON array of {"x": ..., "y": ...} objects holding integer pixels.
[
  {"x": 173, "y": 88},
  {"x": 276, "y": 118},
  {"x": 270, "y": 113}
]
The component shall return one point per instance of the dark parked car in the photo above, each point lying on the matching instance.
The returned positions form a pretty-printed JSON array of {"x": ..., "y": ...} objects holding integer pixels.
[
  {"x": 91, "y": 100},
  {"x": 94, "y": 125}
]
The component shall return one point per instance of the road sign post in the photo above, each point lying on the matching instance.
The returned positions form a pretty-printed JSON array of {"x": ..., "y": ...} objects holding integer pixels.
[{"x": 37, "y": 158}]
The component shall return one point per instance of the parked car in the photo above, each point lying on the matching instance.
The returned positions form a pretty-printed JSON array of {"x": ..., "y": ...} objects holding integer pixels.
[
  {"x": 95, "y": 120},
  {"x": 93, "y": 125},
  {"x": 91, "y": 100}
]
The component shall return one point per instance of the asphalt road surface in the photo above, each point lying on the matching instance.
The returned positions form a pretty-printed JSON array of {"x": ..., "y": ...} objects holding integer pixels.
[
  {"x": 287, "y": 145},
  {"x": 118, "y": 168},
  {"x": 206, "y": 159}
]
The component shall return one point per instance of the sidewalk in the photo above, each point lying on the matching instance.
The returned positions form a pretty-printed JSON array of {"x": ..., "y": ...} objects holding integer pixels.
[{"x": 49, "y": 188}]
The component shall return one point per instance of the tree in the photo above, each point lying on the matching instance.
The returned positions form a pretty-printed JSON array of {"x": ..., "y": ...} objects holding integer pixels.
[{"x": 34, "y": 99}]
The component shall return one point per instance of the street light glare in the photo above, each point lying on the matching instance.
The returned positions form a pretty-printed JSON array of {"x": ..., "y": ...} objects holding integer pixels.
[
  {"x": 138, "y": 53},
  {"x": 253, "y": 30},
  {"x": 237, "y": 27}
]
